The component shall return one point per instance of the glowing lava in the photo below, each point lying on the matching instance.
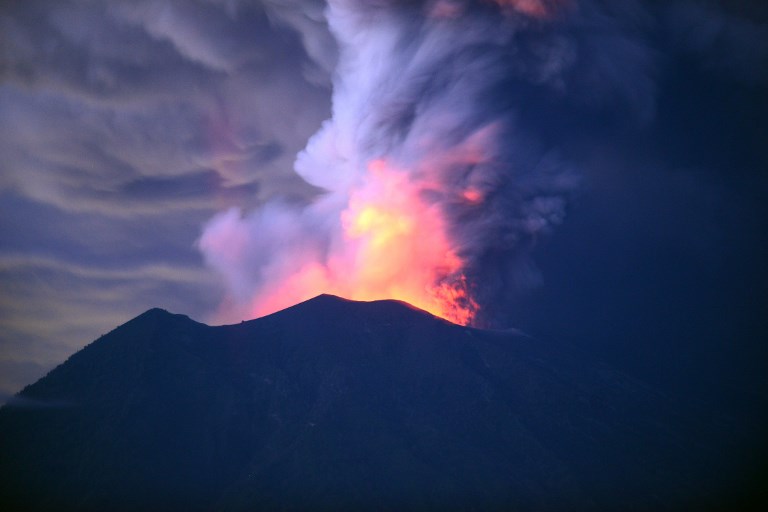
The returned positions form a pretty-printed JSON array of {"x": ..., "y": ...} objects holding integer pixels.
[{"x": 394, "y": 246}]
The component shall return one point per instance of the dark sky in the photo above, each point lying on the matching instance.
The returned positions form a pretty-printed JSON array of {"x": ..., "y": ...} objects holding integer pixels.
[{"x": 126, "y": 126}]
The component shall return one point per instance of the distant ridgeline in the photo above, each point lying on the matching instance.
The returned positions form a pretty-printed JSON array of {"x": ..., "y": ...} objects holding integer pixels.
[{"x": 338, "y": 405}]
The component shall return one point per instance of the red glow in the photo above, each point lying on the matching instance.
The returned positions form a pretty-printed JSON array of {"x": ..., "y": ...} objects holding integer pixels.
[
  {"x": 395, "y": 246},
  {"x": 540, "y": 9},
  {"x": 473, "y": 196}
]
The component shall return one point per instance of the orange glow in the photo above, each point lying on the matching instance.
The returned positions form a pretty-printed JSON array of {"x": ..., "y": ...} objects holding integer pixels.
[
  {"x": 395, "y": 246},
  {"x": 540, "y": 9},
  {"x": 472, "y": 195},
  {"x": 446, "y": 9}
]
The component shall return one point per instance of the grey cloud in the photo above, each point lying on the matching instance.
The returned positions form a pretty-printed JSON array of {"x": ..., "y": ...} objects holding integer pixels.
[
  {"x": 124, "y": 126},
  {"x": 307, "y": 17},
  {"x": 30, "y": 227},
  {"x": 200, "y": 34},
  {"x": 187, "y": 118},
  {"x": 77, "y": 49},
  {"x": 77, "y": 155},
  {"x": 152, "y": 272}
]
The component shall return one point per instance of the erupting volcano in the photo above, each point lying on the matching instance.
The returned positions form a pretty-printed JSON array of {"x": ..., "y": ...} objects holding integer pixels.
[
  {"x": 396, "y": 246},
  {"x": 391, "y": 243},
  {"x": 428, "y": 191}
]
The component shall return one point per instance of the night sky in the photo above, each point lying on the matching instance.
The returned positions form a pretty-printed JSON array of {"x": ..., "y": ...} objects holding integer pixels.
[{"x": 630, "y": 193}]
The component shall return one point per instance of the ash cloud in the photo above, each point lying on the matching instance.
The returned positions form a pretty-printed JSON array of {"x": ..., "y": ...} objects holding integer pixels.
[{"x": 440, "y": 89}]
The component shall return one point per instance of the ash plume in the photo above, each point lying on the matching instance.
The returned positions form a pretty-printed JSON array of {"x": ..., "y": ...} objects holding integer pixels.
[{"x": 432, "y": 188}]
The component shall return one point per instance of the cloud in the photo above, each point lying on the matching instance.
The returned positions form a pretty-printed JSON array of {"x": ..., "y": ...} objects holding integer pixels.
[
  {"x": 98, "y": 97},
  {"x": 435, "y": 99},
  {"x": 476, "y": 103},
  {"x": 157, "y": 272},
  {"x": 125, "y": 125}
]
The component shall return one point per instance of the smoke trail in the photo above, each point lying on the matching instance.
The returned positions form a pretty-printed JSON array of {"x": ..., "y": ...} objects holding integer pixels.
[{"x": 433, "y": 192}]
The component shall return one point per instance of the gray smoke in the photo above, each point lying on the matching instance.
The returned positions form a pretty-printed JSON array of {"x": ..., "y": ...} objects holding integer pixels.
[{"x": 442, "y": 92}]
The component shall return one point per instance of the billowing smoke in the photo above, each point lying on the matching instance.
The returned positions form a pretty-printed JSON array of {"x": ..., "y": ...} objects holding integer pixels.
[{"x": 432, "y": 189}]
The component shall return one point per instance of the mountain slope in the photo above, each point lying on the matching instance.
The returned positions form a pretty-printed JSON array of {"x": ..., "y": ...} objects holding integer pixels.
[{"x": 338, "y": 404}]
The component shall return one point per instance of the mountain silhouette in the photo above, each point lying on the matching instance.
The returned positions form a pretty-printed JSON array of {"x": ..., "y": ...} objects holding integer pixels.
[{"x": 339, "y": 405}]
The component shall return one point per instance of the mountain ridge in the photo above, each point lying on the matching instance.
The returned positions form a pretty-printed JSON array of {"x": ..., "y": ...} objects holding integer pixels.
[{"x": 342, "y": 405}]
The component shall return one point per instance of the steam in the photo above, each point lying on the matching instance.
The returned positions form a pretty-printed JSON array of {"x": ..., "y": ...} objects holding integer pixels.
[{"x": 432, "y": 190}]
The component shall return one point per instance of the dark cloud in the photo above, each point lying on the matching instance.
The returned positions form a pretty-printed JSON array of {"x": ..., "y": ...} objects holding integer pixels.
[
  {"x": 729, "y": 38},
  {"x": 442, "y": 90}
]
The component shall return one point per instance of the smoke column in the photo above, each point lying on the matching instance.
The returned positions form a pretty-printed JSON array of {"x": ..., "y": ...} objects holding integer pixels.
[{"x": 432, "y": 192}]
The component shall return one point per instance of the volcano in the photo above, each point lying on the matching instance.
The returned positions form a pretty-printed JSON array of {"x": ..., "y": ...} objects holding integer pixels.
[{"x": 339, "y": 405}]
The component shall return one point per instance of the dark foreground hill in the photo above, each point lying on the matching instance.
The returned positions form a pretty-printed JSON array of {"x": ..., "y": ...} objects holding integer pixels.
[{"x": 333, "y": 404}]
